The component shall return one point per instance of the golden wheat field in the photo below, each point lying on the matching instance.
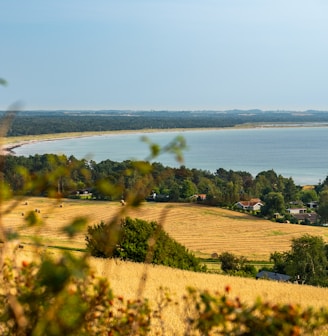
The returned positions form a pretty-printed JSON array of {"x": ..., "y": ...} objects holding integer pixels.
[{"x": 201, "y": 229}]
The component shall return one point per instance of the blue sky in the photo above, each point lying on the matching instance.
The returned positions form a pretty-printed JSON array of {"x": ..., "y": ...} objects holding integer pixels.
[{"x": 157, "y": 54}]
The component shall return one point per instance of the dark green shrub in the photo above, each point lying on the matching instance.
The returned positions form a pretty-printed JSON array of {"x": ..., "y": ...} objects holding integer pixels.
[{"x": 141, "y": 241}]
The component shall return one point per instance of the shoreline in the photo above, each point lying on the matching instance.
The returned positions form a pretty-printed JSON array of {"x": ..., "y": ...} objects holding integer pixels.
[{"x": 9, "y": 144}]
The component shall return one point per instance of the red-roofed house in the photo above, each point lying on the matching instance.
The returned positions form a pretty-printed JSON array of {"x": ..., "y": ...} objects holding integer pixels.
[{"x": 251, "y": 205}]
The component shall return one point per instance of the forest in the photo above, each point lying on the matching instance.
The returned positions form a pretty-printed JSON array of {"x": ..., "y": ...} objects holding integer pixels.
[{"x": 47, "y": 122}]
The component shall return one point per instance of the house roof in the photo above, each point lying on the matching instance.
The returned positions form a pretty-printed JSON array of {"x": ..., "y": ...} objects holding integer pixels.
[
  {"x": 250, "y": 203},
  {"x": 312, "y": 217},
  {"x": 272, "y": 276}
]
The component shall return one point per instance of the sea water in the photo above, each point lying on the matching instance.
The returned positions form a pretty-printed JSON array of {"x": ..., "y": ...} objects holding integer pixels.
[{"x": 296, "y": 152}]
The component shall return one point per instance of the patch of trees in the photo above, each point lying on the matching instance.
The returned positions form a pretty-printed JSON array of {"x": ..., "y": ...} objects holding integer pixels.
[
  {"x": 234, "y": 265},
  {"x": 140, "y": 241},
  {"x": 46, "y": 122},
  {"x": 306, "y": 262}
]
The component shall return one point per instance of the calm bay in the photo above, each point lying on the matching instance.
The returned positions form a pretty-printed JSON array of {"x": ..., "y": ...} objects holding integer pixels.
[{"x": 297, "y": 152}]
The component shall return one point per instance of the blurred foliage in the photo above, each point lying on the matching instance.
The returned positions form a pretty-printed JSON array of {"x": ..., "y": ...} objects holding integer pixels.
[
  {"x": 3, "y": 82},
  {"x": 221, "y": 314},
  {"x": 63, "y": 297}
]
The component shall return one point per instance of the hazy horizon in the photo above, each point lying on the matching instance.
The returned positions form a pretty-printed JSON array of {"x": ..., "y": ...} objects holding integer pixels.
[{"x": 164, "y": 55}]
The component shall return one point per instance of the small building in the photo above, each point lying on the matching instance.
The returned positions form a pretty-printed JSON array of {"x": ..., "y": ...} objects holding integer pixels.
[
  {"x": 312, "y": 205},
  {"x": 273, "y": 276},
  {"x": 293, "y": 211},
  {"x": 253, "y": 204},
  {"x": 198, "y": 197},
  {"x": 201, "y": 197},
  {"x": 82, "y": 194},
  {"x": 157, "y": 198}
]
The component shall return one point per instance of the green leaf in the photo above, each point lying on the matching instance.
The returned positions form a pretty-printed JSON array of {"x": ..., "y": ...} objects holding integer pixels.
[
  {"x": 76, "y": 226},
  {"x": 142, "y": 166},
  {"x": 53, "y": 275},
  {"x": 11, "y": 235},
  {"x": 5, "y": 191},
  {"x": 32, "y": 219},
  {"x": 3, "y": 82}
]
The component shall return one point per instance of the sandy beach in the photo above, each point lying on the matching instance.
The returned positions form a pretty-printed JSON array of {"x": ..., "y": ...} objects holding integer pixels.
[{"x": 8, "y": 144}]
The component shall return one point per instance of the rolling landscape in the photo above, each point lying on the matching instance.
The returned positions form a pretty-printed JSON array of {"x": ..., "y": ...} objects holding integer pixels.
[
  {"x": 206, "y": 231},
  {"x": 163, "y": 168},
  {"x": 203, "y": 230}
]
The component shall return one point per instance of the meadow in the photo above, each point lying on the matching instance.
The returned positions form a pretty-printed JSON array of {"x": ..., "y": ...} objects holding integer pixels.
[{"x": 202, "y": 229}]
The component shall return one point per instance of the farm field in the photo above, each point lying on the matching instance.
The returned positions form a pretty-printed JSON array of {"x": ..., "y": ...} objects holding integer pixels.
[
  {"x": 135, "y": 280},
  {"x": 202, "y": 229}
]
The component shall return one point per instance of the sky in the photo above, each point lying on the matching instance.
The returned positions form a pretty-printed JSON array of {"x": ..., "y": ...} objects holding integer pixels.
[{"x": 164, "y": 55}]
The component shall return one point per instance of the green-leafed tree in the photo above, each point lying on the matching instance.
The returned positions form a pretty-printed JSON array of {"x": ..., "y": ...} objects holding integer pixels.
[
  {"x": 234, "y": 265},
  {"x": 188, "y": 188},
  {"x": 323, "y": 206},
  {"x": 290, "y": 191},
  {"x": 273, "y": 203},
  {"x": 280, "y": 260},
  {"x": 308, "y": 260},
  {"x": 140, "y": 241},
  {"x": 309, "y": 195}
]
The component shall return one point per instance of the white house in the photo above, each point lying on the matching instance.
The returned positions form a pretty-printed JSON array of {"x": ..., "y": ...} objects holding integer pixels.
[
  {"x": 296, "y": 210},
  {"x": 253, "y": 204}
]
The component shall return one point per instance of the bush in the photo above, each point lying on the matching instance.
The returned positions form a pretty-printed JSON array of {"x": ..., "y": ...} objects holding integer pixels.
[
  {"x": 140, "y": 241},
  {"x": 234, "y": 265}
]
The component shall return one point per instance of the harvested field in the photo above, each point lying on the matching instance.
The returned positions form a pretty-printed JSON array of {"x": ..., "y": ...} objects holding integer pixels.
[
  {"x": 135, "y": 280},
  {"x": 202, "y": 229}
]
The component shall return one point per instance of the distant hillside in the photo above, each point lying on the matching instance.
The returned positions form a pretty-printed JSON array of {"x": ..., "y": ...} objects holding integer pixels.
[{"x": 49, "y": 122}]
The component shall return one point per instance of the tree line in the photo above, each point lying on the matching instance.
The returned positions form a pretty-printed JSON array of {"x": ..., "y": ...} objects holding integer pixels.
[
  {"x": 49, "y": 122},
  {"x": 222, "y": 187}
]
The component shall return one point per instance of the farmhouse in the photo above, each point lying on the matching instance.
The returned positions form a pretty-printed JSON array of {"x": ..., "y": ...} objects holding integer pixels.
[
  {"x": 82, "y": 194},
  {"x": 251, "y": 205},
  {"x": 198, "y": 197},
  {"x": 272, "y": 276},
  {"x": 157, "y": 198},
  {"x": 293, "y": 211}
]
